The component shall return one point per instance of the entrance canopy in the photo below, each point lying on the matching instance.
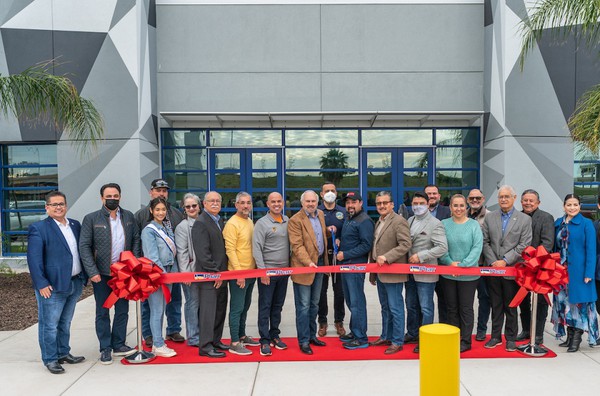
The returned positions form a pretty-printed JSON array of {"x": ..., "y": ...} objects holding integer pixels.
[{"x": 323, "y": 119}]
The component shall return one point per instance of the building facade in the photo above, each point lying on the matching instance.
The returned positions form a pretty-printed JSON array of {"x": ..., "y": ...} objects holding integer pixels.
[{"x": 263, "y": 96}]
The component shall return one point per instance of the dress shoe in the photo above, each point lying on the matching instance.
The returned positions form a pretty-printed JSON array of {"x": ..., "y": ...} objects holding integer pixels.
[
  {"x": 317, "y": 342},
  {"x": 464, "y": 347},
  {"x": 55, "y": 368},
  {"x": 175, "y": 337},
  {"x": 305, "y": 348},
  {"x": 221, "y": 346},
  {"x": 408, "y": 339},
  {"x": 380, "y": 342},
  {"x": 416, "y": 350},
  {"x": 322, "y": 329},
  {"x": 524, "y": 335},
  {"x": 393, "y": 348},
  {"x": 213, "y": 353},
  {"x": 148, "y": 341},
  {"x": 480, "y": 336},
  {"x": 339, "y": 328},
  {"x": 539, "y": 340},
  {"x": 347, "y": 337},
  {"x": 71, "y": 359}
]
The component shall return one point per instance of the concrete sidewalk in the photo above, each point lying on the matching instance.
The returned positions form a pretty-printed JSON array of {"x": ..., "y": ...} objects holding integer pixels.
[{"x": 22, "y": 372}]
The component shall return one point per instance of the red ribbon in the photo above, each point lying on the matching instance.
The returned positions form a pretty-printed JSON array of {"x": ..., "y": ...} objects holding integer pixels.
[
  {"x": 541, "y": 273},
  {"x": 134, "y": 279}
]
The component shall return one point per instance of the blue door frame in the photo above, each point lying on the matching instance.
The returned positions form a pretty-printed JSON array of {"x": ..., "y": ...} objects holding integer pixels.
[
  {"x": 402, "y": 171},
  {"x": 257, "y": 171}
]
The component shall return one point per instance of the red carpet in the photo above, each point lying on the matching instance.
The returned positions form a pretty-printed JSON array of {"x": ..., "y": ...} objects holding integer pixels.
[{"x": 332, "y": 352}]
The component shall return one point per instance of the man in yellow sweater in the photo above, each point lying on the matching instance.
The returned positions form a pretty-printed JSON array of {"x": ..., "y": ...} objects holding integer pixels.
[{"x": 238, "y": 245}]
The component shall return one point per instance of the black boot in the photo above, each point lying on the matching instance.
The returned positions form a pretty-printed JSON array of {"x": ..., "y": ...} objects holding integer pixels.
[
  {"x": 569, "y": 339},
  {"x": 574, "y": 347}
]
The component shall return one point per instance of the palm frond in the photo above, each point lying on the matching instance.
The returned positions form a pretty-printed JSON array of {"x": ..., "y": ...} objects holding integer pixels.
[
  {"x": 584, "y": 124},
  {"x": 563, "y": 18},
  {"x": 40, "y": 97}
]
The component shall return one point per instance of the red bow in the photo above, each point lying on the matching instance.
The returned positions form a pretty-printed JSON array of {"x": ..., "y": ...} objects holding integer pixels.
[
  {"x": 134, "y": 279},
  {"x": 540, "y": 273}
]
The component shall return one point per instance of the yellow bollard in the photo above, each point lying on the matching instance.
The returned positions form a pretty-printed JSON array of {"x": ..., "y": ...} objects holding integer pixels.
[{"x": 439, "y": 360}]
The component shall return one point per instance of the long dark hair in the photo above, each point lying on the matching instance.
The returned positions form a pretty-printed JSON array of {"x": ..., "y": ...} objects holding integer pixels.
[{"x": 155, "y": 202}]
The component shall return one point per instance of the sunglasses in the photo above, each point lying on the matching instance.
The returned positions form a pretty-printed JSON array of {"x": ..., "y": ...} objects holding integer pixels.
[
  {"x": 194, "y": 206},
  {"x": 475, "y": 198}
]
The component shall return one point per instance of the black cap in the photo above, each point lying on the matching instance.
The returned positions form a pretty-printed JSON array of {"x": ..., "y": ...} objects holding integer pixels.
[
  {"x": 353, "y": 195},
  {"x": 159, "y": 183}
]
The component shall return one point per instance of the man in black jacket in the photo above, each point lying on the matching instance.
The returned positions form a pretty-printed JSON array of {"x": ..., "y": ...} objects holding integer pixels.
[
  {"x": 542, "y": 227},
  {"x": 104, "y": 235},
  {"x": 159, "y": 188},
  {"x": 209, "y": 249}
]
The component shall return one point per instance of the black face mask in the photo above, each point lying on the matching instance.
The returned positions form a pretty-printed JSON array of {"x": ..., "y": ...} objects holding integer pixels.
[{"x": 111, "y": 204}]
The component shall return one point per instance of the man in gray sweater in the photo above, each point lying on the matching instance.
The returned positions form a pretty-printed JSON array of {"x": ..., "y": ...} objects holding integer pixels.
[{"x": 271, "y": 249}]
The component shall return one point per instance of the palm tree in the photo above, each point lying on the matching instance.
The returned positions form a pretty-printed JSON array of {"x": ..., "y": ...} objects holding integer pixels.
[
  {"x": 563, "y": 18},
  {"x": 40, "y": 97},
  {"x": 334, "y": 158}
]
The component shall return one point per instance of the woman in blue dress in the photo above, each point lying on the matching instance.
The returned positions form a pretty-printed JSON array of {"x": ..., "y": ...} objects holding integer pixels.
[
  {"x": 574, "y": 305},
  {"x": 158, "y": 244}
]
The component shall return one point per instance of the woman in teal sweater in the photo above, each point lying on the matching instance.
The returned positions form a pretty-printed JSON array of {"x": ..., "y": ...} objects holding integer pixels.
[{"x": 465, "y": 242}]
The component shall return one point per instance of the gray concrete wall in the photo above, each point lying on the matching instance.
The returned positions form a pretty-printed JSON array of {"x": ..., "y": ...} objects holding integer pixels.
[{"x": 348, "y": 57}]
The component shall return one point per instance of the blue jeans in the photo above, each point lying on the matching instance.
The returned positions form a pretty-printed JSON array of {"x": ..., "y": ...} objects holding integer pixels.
[
  {"x": 157, "y": 304},
  {"x": 483, "y": 312},
  {"x": 392, "y": 311},
  {"x": 271, "y": 298},
  {"x": 115, "y": 338},
  {"x": 173, "y": 313},
  {"x": 306, "y": 300},
  {"x": 54, "y": 321},
  {"x": 418, "y": 293},
  {"x": 191, "y": 313},
  {"x": 354, "y": 293}
]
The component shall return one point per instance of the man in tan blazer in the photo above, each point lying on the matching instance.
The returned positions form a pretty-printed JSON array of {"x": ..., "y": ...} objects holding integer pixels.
[
  {"x": 391, "y": 245},
  {"x": 308, "y": 240}
]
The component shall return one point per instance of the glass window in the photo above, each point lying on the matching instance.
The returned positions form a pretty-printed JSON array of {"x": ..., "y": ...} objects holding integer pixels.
[
  {"x": 320, "y": 137},
  {"x": 29, "y": 172},
  {"x": 184, "y": 159},
  {"x": 228, "y": 161},
  {"x": 323, "y": 158},
  {"x": 314, "y": 180},
  {"x": 187, "y": 180},
  {"x": 184, "y": 138},
  {"x": 457, "y": 157},
  {"x": 457, "y": 137},
  {"x": 243, "y": 138},
  {"x": 588, "y": 193},
  {"x": 586, "y": 172},
  {"x": 382, "y": 160},
  {"x": 264, "y": 161},
  {"x": 456, "y": 178},
  {"x": 415, "y": 159},
  {"x": 397, "y": 137}
]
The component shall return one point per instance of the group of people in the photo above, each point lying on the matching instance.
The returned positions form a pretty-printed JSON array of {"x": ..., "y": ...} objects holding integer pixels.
[{"x": 63, "y": 254}]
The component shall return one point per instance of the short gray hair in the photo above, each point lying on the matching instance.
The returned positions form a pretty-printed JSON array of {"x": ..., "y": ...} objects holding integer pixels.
[
  {"x": 190, "y": 196},
  {"x": 308, "y": 191},
  {"x": 509, "y": 188},
  {"x": 212, "y": 192},
  {"x": 242, "y": 194},
  {"x": 385, "y": 194}
]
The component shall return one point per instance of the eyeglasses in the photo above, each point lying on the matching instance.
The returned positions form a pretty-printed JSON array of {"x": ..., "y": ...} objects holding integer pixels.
[
  {"x": 57, "y": 205},
  {"x": 475, "y": 198},
  {"x": 191, "y": 206},
  {"x": 382, "y": 203}
]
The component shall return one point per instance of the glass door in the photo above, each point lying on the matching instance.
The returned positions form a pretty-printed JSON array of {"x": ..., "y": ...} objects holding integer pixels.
[
  {"x": 256, "y": 171},
  {"x": 402, "y": 171}
]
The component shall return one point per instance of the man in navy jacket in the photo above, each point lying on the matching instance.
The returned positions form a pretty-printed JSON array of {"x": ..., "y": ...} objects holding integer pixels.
[{"x": 58, "y": 280}]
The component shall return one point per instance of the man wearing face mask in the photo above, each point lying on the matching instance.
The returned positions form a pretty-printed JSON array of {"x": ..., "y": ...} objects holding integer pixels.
[
  {"x": 104, "y": 235},
  {"x": 334, "y": 216}
]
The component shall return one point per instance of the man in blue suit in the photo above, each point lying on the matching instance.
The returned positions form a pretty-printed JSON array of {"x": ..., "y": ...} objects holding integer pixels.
[{"x": 58, "y": 280}]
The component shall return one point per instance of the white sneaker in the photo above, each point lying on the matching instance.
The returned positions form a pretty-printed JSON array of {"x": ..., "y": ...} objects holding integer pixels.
[{"x": 163, "y": 351}]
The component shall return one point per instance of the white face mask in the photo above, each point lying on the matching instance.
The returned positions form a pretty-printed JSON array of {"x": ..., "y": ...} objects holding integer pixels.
[
  {"x": 329, "y": 197},
  {"x": 420, "y": 209}
]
